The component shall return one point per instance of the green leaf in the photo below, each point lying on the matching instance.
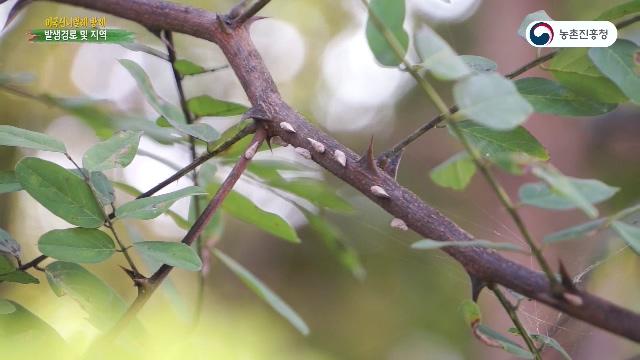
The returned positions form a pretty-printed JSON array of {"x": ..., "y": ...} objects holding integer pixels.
[
  {"x": 391, "y": 13},
  {"x": 60, "y": 191},
  {"x": 539, "y": 15},
  {"x": 245, "y": 210},
  {"x": 543, "y": 339},
  {"x": 145, "y": 49},
  {"x": 575, "y": 71},
  {"x": 564, "y": 192},
  {"x": 630, "y": 234},
  {"x": 101, "y": 185},
  {"x": 316, "y": 192},
  {"x": 9, "y": 182},
  {"x": 105, "y": 123},
  {"x": 8, "y": 244},
  {"x": 500, "y": 146},
  {"x": 13, "y": 136},
  {"x": 455, "y": 173},
  {"x": 154, "y": 206},
  {"x": 171, "y": 253},
  {"x": 179, "y": 220},
  {"x": 619, "y": 11},
  {"x": 619, "y": 63},
  {"x": 333, "y": 239},
  {"x": 103, "y": 304},
  {"x": 428, "y": 244},
  {"x": 471, "y": 312},
  {"x": 6, "y": 307},
  {"x": 9, "y": 273},
  {"x": 264, "y": 292},
  {"x": 186, "y": 67},
  {"x": 491, "y": 100},
  {"x": 575, "y": 232},
  {"x": 438, "y": 57},
  {"x": 479, "y": 63},
  {"x": 205, "y": 105},
  {"x": 172, "y": 113},
  {"x": 117, "y": 151},
  {"x": 547, "y": 96},
  {"x": 506, "y": 344},
  {"x": 77, "y": 245}
]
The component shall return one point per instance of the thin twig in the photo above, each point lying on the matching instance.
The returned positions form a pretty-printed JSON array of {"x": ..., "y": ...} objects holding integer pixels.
[
  {"x": 196, "y": 230},
  {"x": 516, "y": 321}
]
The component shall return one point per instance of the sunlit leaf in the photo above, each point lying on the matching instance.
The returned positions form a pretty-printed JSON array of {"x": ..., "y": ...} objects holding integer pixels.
[
  {"x": 186, "y": 67},
  {"x": 171, "y": 253},
  {"x": 428, "y": 244},
  {"x": 145, "y": 49},
  {"x": 629, "y": 233},
  {"x": 455, "y": 173},
  {"x": 8, "y": 244},
  {"x": 619, "y": 11},
  {"x": 13, "y": 136},
  {"x": 170, "y": 112},
  {"x": 438, "y": 57},
  {"x": 549, "y": 97},
  {"x": 103, "y": 304},
  {"x": 562, "y": 192},
  {"x": 539, "y": 15},
  {"x": 575, "y": 232},
  {"x": 391, "y": 13},
  {"x": 205, "y": 105},
  {"x": 479, "y": 63},
  {"x": 9, "y": 182},
  {"x": 77, "y": 245},
  {"x": 154, "y": 206},
  {"x": 245, "y": 210},
  {"x": 491, "y": 100},
  {"x": 6, "y": 307},
  {"x": 179, "y": 220},
  {"x": 60, "y": 191},
  {"x": 264, "y": 292},
  {"x": 117, "y": 151},
  {"x": 618, "y": 63},
  {"x": 575, "y": 71}
]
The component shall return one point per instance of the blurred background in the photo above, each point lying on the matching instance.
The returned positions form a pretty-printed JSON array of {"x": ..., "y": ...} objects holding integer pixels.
[{"x": 408, "y": 304}]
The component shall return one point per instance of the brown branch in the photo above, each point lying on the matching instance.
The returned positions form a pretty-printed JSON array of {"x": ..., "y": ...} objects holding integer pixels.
[
  {"x": 483, "y": 264},
  {"x": 148, "y": 286}
]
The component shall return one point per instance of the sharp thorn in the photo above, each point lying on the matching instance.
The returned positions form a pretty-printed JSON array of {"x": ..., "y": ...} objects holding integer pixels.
[
  {"x": 476, "y": 287},
  {"x": 367, "y": 161}
]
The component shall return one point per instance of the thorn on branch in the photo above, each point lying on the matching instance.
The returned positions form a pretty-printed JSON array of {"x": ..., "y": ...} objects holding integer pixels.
[
  {"x": 399, "y": 224},
  {"x": 340, "y": 157},
  {"x": 251, "y": 151},
  {"x": 567, "y": 281},
  {"x": 477, "y": 286},
  {"x": 367, "y": 161},
  {"x": 379, "y": 192},
  {"x": 287, "y": 127},
  {"x": 317, "y": 146}
]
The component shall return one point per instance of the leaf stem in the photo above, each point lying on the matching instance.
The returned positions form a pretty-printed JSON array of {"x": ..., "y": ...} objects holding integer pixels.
[{"x": 511, "y": 311}]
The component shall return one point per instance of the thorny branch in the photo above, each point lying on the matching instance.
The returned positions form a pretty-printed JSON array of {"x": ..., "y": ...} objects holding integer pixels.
[{"x": 282, "y": 121}]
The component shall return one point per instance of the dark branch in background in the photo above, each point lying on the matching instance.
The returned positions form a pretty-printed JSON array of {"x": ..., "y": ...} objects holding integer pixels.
[
  {"x": 192, "y": 147},
  {"x": 149, "y": 285},
  {"x": 483, "y": 264}
]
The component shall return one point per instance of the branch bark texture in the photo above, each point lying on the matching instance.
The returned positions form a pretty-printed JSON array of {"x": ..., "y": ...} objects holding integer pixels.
[{"x": 482, "y": 264}]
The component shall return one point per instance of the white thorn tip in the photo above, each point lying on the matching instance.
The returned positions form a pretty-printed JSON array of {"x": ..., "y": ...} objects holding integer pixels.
[
  {"x": 317, "y": 146},
  {"x": 340, "y": 157},
  {"x": 251, "y": 151},
  {"x": 287, "y": 127},
  {"x": 379, "y": 192},
  {"x": 399, "y": 224},
  {"x": 303, "y": 152}
]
